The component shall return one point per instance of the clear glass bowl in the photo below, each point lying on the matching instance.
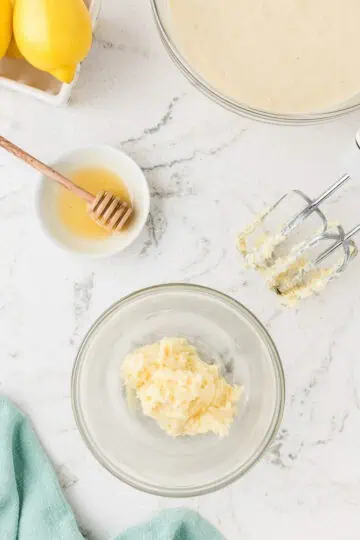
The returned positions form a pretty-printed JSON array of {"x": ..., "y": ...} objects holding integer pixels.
[
  {"x": 162, "y": 16},
  {"x": 132, "y": 446}
]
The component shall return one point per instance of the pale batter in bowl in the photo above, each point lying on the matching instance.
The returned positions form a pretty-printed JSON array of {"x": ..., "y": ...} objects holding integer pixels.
[{"x": 280, "y": 56}]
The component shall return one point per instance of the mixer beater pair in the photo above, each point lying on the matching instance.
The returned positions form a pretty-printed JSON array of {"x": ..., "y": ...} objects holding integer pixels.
[{"x": 297, "y": 267}]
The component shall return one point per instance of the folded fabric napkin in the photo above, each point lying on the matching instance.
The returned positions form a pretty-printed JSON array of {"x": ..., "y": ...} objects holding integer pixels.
[{"x": 32, "y": 506}]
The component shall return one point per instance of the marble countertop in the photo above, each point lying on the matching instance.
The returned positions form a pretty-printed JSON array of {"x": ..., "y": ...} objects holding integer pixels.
[{"x": 209, "y": 172}]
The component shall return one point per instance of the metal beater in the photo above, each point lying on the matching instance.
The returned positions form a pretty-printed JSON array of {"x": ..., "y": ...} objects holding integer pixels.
[{"x": 275, "y": 256}]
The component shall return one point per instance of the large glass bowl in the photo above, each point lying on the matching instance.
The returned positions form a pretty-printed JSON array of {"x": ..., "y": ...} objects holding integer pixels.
[
  {"x": 132, "y": 446},
  {"x": 161, "y": 10}
]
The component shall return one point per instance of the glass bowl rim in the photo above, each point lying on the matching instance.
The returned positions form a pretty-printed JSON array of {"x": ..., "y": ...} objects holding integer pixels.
[
  {"x": 231, "y": 104},
  {"x": 269, "y": 436}
]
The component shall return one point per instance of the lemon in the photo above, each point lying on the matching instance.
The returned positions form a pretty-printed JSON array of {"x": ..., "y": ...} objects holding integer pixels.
[
  {"x": 6, "y": 13},
  {"x": 13, "y": 49},
  {"x": 65, "y": 74},
  {"x": 53, "y": 35}
]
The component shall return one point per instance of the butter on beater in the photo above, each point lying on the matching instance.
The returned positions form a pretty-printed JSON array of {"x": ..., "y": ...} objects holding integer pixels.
[{"x": 184, "y": 394}]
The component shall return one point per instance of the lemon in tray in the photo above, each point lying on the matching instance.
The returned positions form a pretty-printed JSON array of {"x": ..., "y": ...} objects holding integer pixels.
[
  {"x": 6, "y": 14},
  {"x": 8, "y": 45},
  {"x": 52, "y": 35}
]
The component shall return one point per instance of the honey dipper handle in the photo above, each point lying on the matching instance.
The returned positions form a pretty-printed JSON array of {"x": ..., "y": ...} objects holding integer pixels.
[{"x": 47, "y": 171}]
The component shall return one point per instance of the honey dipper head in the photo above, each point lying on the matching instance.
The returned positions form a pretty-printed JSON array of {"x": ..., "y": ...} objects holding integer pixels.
[{"x": 109, "y": 211}]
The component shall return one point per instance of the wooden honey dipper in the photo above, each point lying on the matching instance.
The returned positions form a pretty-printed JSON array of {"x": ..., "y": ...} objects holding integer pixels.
[{"x": 105, "y": 208}]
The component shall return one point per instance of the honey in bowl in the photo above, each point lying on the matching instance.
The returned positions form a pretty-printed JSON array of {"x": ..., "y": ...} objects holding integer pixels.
[{"x": 73, "y": 211}]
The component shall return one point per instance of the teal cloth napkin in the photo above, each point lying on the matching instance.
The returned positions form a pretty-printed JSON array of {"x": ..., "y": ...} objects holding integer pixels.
[{"x": 32, "y": 506}]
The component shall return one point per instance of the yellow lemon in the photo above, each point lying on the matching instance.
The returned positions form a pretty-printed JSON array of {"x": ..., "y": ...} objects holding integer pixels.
[
  {"x": 13, "y": 49},
  {"x": 6, "y": 14},
  {"x": 65, "y": 74},
  {"x": 53, "y": 35}
]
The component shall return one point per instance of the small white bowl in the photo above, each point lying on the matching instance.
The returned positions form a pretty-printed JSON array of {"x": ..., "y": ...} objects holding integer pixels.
[{"x": 94, "y": 156}]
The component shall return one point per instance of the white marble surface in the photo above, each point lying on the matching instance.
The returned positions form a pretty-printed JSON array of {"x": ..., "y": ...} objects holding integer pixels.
[{"x": 209, "y": 171}]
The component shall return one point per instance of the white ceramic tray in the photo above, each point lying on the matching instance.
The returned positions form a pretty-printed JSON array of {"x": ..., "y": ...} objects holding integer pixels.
[{"x": 18, "y": 75}]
